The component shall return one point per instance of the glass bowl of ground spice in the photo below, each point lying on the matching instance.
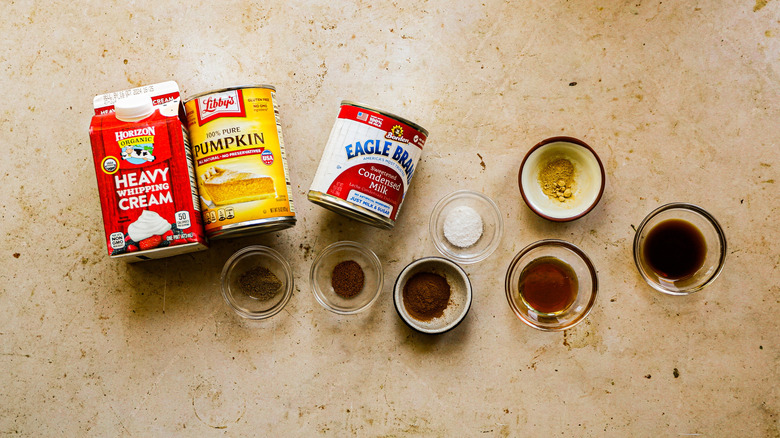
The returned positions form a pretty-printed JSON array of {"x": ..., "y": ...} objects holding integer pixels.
[
  {"x": 257, "y": 282},
  {"x": 432, "y": 295},
  {"x": 346, "y": 277},
  {"x": 466, "y": 226},
  {"x": 561, "y": 179},
  {"x": 551, "y": 285}
]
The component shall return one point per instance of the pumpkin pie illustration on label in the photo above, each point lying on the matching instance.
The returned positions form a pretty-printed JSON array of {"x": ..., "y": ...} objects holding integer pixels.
[{"x": 227, "y": 186}]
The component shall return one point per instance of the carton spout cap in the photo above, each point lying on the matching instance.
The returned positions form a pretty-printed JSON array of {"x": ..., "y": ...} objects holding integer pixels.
[{"x": 133, "y": 108}]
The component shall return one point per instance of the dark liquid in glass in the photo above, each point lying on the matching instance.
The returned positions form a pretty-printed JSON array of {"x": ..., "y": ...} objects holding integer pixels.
[
  {"x": 548, "y": 285},
  {"x": 675, "y": 249}
]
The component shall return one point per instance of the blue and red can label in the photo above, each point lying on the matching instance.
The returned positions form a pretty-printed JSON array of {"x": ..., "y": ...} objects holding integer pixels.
[{"x": 369, "y": 160}]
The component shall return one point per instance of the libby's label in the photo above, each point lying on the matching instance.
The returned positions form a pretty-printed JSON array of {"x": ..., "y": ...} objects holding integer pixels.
[
  {"x": 239, "y": 157},
  {"x": 224, "y": 104},
  {"x": 369, "y": 160},
  {"x": 146, "y": 183}
]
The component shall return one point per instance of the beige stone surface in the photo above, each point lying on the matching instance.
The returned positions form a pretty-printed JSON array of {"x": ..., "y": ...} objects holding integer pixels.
[{"x": 680, "y": 99}]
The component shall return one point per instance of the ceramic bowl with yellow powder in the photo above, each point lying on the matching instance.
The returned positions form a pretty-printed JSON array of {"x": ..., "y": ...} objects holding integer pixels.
[{"x": 561, "y": 179}]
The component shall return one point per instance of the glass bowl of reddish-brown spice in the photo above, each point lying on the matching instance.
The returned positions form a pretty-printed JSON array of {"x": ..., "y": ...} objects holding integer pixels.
[
  {"x": 346, "y": 277},
  {"x": 257, "y": 282},
  {"x": 432, "y": 295}
]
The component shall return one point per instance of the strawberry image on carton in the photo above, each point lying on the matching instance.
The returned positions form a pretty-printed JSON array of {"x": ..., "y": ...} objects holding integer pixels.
[{"x": 146, "y": 181}]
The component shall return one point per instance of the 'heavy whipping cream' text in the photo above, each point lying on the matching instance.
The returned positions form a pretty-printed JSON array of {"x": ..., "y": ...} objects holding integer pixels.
[{"x": 143, "y": 188}]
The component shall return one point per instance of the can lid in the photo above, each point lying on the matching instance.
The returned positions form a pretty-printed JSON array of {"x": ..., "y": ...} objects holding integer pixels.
[
  {"x": 222, "y": 90},
  {"x": 386, "y": 113},
  {"x": 133, "y": 108}
]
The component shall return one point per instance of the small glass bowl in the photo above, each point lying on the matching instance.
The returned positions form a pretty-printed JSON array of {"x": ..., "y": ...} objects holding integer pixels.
[
  {"x": 493, "y": 226},
  {"x": 322, "y": 271},
  {"x": 460, "y": 295},
  {"x": 590, "y": 179},
  {"x": 249, "y": 258},
  {"x": 586, "y": 280},
  {"x": 713, "y": 236}
]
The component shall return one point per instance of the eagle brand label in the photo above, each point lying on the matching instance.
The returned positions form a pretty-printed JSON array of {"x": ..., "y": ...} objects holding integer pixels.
[
  {"x": 369, "y": 160},
  {"x": 239, "y": 158}
]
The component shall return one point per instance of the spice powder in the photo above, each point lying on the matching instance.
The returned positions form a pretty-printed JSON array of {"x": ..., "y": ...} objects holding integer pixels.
[
  {"x": 260, "y": 283},
  {"x": 557, "y": 179},
  {"x": 426, "y": 295},
  {"x": 347, "y": 279}
]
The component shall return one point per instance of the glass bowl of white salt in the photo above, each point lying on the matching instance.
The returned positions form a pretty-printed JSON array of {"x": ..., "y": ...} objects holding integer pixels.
[{"x": 466, "y": 226}]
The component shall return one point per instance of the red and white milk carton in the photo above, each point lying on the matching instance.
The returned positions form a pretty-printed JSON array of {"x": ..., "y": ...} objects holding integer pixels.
[{"x": 144, "y": 172}]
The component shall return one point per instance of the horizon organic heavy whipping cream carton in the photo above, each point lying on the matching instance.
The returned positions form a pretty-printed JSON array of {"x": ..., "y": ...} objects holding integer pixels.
[{"x": 146, "y": 181}]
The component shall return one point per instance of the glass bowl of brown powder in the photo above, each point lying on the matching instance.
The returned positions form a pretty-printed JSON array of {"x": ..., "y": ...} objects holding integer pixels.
[
  {"x": 346, "y": 277},
  {"x": 257, "y": 282}
]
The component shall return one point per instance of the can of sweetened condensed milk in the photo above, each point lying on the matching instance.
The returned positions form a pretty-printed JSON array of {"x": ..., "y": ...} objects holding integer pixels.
[
  {"x": 240, "y": 162},
  {"x": 368, "y": 164}
]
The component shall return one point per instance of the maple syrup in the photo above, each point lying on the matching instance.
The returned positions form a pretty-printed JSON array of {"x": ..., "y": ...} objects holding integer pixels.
[
  {"x": 674, "y": 249},
  {"x": 548, "y": 285}
]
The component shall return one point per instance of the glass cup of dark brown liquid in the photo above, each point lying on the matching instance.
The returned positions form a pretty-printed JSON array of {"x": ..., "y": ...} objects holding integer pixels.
[
  {"x": 551, "y": 285},
  {"x": 679, "y": 249}
]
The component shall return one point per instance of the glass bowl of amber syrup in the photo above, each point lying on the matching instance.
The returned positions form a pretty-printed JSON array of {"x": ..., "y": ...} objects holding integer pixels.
[
  {"x": 679, "y": 249},
  {"x": 551, "y": 285}
]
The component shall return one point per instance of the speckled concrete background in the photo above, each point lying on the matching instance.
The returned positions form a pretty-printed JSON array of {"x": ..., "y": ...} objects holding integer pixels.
[{"x": 679, "y": 100}]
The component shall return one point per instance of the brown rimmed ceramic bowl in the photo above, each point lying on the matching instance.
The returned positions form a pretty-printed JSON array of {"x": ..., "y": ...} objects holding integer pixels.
[{"x": 589, "y": 179}]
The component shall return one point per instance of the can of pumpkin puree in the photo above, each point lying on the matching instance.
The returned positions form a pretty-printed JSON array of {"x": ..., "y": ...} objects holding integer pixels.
[
  {"x": 240, "y": 162},
  {"x": 368, "y": 164}
]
